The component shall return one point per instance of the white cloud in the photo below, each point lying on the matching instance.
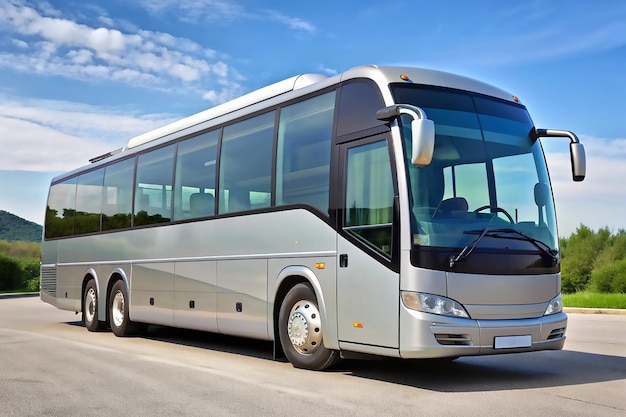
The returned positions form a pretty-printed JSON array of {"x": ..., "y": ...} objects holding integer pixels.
[
  {"x": 20, "y": 43},
  {"x": 47, "y": 136},
  {"x": 196, "y": 10},
  {"x": 599, "y": 200},
  {"x": 51, "y": 45},
  {"x": 291, "y": 22},
  {"x": 80, "y": 57},
  {"x": 222, "y": 11}
]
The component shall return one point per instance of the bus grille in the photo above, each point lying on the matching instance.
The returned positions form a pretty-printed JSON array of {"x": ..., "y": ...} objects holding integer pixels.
[
  {"x": 49, "y": 280},
  {"x": 454, "y": 339},
  {"x": 557, "y": 333}
]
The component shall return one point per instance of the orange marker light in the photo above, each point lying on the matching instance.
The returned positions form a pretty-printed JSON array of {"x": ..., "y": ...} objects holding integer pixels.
[
  {"x": 320, "y": 265},
  {"x": 516, "y": 99},
  {"x": 357, "y": 325},
  {"x": 404, "y": 77}
]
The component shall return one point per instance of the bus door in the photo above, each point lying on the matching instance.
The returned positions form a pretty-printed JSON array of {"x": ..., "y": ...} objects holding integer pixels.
[{"x": 367, "y": 282}]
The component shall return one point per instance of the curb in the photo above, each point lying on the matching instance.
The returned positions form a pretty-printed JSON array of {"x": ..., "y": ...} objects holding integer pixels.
[
  {"x": 575, "y": 310},
  {"x": 19, "y": 295}
]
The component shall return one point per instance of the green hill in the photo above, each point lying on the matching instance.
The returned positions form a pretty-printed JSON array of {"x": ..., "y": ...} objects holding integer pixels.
[{"x": 13, "y": 228}]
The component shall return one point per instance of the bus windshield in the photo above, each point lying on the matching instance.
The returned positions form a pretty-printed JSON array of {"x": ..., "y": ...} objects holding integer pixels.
[{"x": 488, "y": 175}]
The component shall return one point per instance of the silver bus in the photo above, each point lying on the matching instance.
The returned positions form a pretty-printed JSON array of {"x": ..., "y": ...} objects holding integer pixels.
[{"x": 384, "y": 211}]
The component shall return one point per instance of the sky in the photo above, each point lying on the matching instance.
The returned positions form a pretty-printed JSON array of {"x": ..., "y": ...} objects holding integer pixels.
[{"x": 80, "y": 78}]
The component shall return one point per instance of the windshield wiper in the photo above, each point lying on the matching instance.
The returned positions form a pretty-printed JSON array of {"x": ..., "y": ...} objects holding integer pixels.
[
  {"x": 467, "y": 250},
  {"x": 550, "y": 253}
]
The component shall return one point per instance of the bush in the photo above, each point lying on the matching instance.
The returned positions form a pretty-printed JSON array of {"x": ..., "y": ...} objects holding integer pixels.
[
  {"x": 32, "y": 285},
  {"x": 30, "y": 268},
  {"x": 610, "y": 277},
  {"x": 11, "y": 274}
]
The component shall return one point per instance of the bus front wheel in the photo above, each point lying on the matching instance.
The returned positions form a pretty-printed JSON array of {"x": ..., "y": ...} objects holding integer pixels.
[
  {"x": 121, "y": 325},
  {"x": 90, "y": 307},
  {"x": 300, "y": 330}
]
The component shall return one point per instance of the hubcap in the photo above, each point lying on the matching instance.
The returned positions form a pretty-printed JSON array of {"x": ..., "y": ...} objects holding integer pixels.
[
  {"x": 117, "y": 309},
  {"x": 305, "y": 327},
  {"x": 90, "y": 305}
]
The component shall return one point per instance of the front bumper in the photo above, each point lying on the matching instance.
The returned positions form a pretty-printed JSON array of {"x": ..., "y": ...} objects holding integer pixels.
[{"x": 424, "y": 335}]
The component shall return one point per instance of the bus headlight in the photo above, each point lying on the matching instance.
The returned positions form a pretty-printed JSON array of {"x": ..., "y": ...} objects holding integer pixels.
[
  {"x": 554, "y": 306},
  {"x": 435, "y": 304}
]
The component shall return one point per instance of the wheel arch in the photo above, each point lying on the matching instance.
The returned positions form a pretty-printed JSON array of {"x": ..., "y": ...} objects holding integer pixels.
[{"x": 286, "y": 280}]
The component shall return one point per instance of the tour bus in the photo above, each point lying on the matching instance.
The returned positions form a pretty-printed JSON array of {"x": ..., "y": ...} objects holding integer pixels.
[{"x": 384, "y": 211}]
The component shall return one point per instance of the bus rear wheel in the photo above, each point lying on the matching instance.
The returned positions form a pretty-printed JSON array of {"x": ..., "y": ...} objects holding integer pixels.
[
  {"x": 121, "y": 325},
  {"x": 300, "y": 330},
  {"x": 90, "y": 307}
]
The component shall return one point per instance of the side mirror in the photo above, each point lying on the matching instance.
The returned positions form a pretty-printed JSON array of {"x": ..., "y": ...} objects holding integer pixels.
[
  {"x": 422, "y": 131},
  {"x": 576, "y": 150},
  {"x": 579, "y": 162},
  {"x": 422, "y": 141}
]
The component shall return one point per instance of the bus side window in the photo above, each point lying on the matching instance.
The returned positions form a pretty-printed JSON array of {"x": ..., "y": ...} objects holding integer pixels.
[
  {"x": 194, "y": 187},
  {"x": 303, "y": 156},
  {"x": 369, "y": 195},
  {"x": 153, "y": 187},
  {"x": 246, "y": 163}
]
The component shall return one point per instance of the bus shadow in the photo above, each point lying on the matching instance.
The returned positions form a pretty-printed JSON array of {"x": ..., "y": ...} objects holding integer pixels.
[
  {"x": 203, "y": 340},
  {"x": 495, "y": 373},
  {"x": 212, "y": 341}
]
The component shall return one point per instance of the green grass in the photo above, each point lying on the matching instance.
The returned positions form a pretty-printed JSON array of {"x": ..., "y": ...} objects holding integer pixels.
[{"x": 586, "y": 299}]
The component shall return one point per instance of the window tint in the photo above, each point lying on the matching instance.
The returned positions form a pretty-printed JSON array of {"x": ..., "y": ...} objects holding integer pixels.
[
  {"x": 467, "y": 182},
  {"x": 194, "y": 190},
  {"x": 118, "y": 195},
  {"x": 153, "y": 190},
  {"x": 246, "y": 164},
  {"x": 359, "y": 102},
  {"x": 369, "y": 195},
  {"x": 88, "y": 202},
  {"x": 60, "y": 209},
  {"x": 303, "y": 160}
]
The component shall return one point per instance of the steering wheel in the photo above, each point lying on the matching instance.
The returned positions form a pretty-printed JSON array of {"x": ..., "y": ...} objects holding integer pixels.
[{"x": 497, "y": 210}]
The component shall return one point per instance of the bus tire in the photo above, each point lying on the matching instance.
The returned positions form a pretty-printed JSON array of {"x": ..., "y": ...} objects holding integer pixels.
[
  {"x": 90, "y": 307},
  {"x": 300, "y": 330},
  {"x": 120, "y": 322}
]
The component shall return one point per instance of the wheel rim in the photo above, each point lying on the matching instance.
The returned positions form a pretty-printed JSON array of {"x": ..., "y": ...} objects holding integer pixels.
[
  {"x": 304, "y": 327},
  {"x": 117, "y": 309},
  {"x": 91, "y": 300}
]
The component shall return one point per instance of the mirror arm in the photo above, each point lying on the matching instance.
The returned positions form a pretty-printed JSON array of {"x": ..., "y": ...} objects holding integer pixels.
[
  {"x": 393, "y": 112},
  {"x": 577, "y": 151},
  {"x": 552, "y": 133}
]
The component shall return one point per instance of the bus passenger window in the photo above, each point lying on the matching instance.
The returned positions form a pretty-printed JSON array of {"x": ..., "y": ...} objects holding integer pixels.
[
  {"x": 153, "y": 189},
  {"x": 246, "y": 163},
  {"x": 303, "y": 156}
]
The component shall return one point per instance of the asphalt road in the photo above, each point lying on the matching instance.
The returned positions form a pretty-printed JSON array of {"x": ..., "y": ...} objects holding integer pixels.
[{"x": 51, "y": 366}]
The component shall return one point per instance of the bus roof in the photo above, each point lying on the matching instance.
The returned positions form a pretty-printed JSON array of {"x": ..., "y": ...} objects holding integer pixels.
[{"x": 383, "y": 75}]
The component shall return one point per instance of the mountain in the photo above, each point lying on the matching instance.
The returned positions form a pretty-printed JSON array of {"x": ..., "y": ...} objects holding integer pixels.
[{"x": 13, "y": 227}]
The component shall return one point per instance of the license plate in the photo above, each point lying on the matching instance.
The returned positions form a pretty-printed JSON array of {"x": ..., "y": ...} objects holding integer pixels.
[{"x": 509, "y": 342}]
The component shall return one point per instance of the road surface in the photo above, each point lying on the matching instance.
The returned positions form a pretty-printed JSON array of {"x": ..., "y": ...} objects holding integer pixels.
[{"x": 51, "y": 366}]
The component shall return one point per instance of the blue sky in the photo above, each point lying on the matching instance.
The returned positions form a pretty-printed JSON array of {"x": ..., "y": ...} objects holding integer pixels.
[{"x": 79, "y": 78}]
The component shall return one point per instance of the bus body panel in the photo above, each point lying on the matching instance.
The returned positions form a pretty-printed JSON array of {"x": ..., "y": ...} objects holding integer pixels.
[
  {"x": 368, "y": 313},
  {"x": 195, "y": 295},
  {"x": 176, "y": 281},
  {"x": 242, "y": 297}
]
